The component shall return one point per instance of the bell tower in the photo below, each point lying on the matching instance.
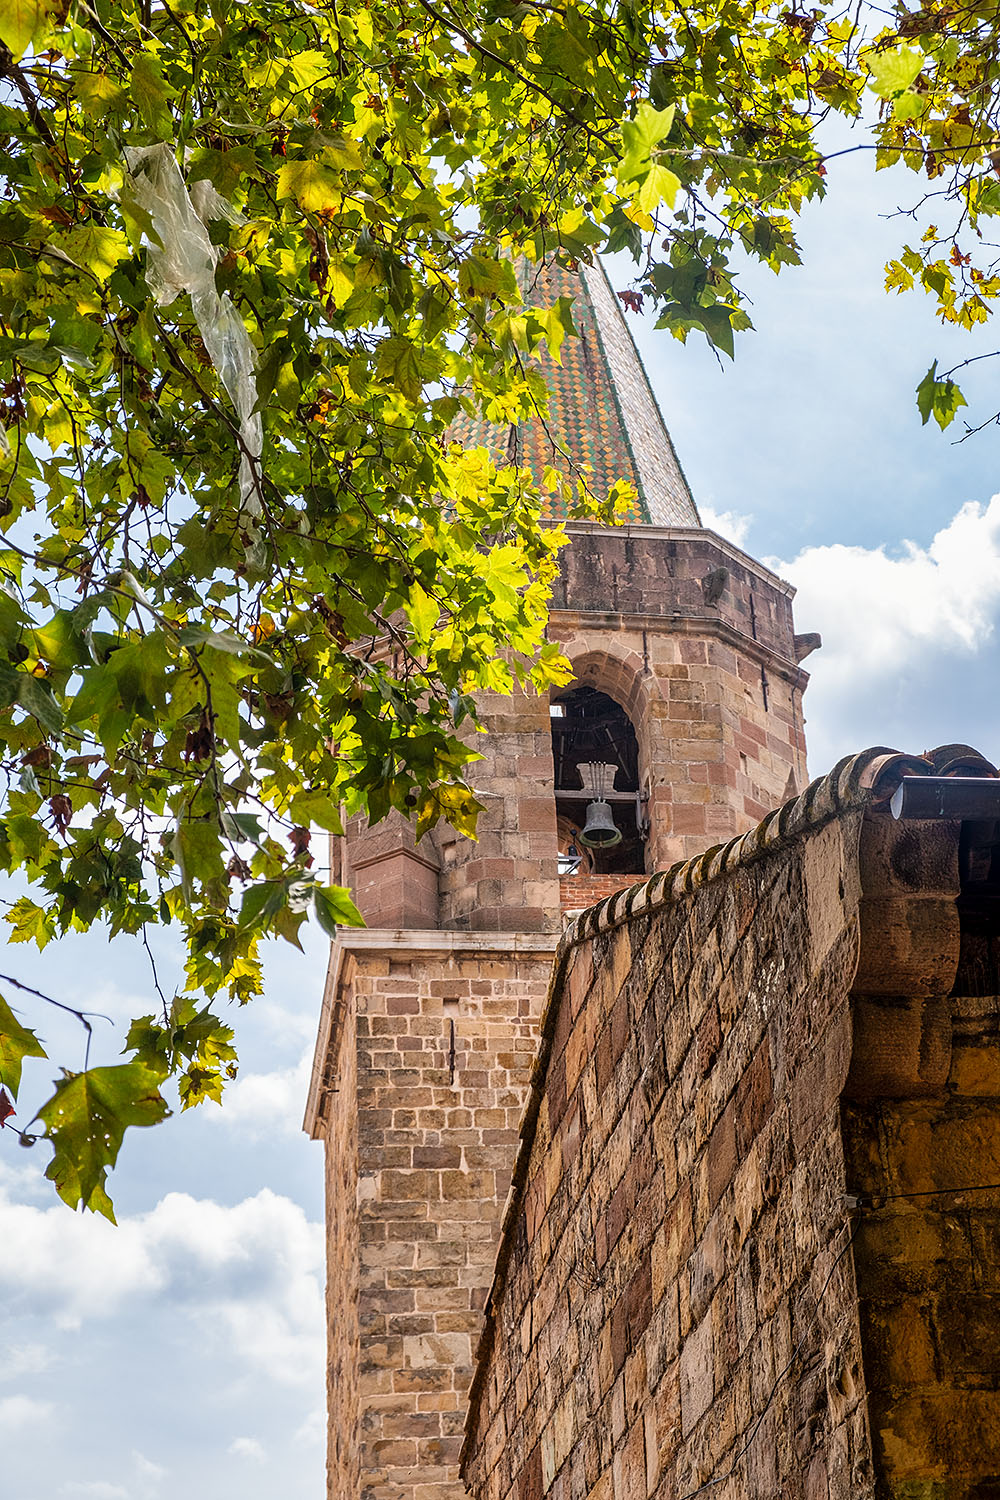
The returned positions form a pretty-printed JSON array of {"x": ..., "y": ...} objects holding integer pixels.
[{"x": 681, "y": 729}]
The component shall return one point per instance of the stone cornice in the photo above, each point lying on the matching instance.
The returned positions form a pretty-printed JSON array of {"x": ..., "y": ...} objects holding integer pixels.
[{"x": 640, "y": 531}]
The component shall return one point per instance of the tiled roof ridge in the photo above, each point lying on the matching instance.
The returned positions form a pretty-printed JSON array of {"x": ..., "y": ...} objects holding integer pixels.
[
  {"x": 638, "y": 456},
  {"x": 866, "y": 779}
]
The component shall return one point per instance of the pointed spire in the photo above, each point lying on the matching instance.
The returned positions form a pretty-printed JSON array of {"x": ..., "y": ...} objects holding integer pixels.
[{"x": 602, "y": 410}]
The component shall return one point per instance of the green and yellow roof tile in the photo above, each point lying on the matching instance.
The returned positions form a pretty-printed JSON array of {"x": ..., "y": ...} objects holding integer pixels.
[{"x": 602, "y": 411}]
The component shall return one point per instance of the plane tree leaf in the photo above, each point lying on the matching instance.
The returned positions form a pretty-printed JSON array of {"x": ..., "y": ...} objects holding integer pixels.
[
  {"x": 85, "y": 1121},
  {"x": 17, "y": 1042},
  {"x": 254, "y": 263}
]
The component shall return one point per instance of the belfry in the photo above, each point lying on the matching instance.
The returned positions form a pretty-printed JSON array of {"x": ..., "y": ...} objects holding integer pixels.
[{"x": 681, "y": 729}]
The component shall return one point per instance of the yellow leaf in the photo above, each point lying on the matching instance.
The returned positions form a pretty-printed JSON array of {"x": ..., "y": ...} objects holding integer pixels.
[
  {"x": 341, "y": 151},
  {"x": 98, "y": 94},
  {"x": 20, "y": 22},
  {"x": 96, "y": 248},
  {"x": 339, "y": 283},
  {"x": 314, "y": 187},
  {"x": 658, "y": 185}
]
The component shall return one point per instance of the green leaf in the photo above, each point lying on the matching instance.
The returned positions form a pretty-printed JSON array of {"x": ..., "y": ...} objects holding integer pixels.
[
  {"x": 399, "y": 361},
  {"x": 892, "y": 72},
  {"x": 314, "y": 187},
  {"x": 925, "y": 394},
  {"x": 317, "y": 810},
  {"x": 16, "y": 1043},
  {"x": 479, "y": 277},
  {"x": 909, "y": 106},
  {"x": 96, "y": 247},
  {"x": 716, "y": 321},
  {"x": 151, "y": 94},
  {"x": 35, "y": 695},
  {"x": 197, "y": 848},
  {"x": 424, "y": 613},
  {"x": 940, "y": 399},
  {"x": 659, "y": 185},
  {"x": 99, "y": 95},
  {"x": 261, "y": 903},
  {"x": 334, "y": 908},
  {"x": 640, "y": 136},
  {"x": 341, "y": 151},
  {"x": 30, "y": 923},
  {"x": 85, "y": 1121}
]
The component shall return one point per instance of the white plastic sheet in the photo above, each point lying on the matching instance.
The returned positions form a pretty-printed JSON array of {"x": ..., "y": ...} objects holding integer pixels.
[{"x": 185, "y": 261}]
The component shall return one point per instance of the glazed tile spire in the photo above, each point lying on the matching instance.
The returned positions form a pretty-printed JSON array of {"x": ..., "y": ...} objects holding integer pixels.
[{"x": 602, "y": 410}]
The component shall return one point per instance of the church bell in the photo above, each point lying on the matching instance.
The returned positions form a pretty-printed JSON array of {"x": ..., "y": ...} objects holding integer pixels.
[{"x": 599, "y": 830}]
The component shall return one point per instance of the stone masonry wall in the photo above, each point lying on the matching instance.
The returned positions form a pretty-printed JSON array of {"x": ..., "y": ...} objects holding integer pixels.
[
  {"x": 446, "y": 1033},
  {"x": 714, "y": 757},
  {"x": 666, "y": 574},
  {"x": 683, "y": 1243},
  {"x": 697, "y": 642},
  {"x": 714, "y": 691},
  {"x": 507, "y": 881},
  {"x": 342, "y": 1266},
  {"x": 928, "y": 1259}
]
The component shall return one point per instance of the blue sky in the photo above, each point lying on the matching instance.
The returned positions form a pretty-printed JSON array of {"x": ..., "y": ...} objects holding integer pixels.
[{"x": 185, "y": 1350}]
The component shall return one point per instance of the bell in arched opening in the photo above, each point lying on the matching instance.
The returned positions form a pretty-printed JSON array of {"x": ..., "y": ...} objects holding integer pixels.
[
  {"x": 596, "y": 777},
  {"x": 599, "y": 830}
]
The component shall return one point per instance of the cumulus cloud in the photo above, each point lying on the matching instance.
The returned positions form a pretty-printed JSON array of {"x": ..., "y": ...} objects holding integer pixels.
[
  {"x": 906, "y": 637},
  {"x": 16, "y": 1412},
  {"x": 249, "y": 1276},
  {"x": 260, "y": 1104},
  {"x": 248, "y": 1447},
  {"x": 875, "y": 608},
  {"x": 149, "y": 1474},
  {"x": 726, "y": 523}
]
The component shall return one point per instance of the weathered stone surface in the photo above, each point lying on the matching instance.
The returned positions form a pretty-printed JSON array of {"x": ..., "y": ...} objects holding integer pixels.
[
  {"x": 680, "y": 1302},
  {"x": 928, "y": 1266},
  {"x": 426, "y": 1083},
  {"x": 714, "y": 693},
  {"x": 755, "y": 1204}
]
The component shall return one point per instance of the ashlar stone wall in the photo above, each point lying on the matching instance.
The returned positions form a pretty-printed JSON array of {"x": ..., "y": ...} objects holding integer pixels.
[
  {"x": 754, "y": 1243},
  {"x": 429, "y": 1041},
  {"x": 683, "y": 1236}
]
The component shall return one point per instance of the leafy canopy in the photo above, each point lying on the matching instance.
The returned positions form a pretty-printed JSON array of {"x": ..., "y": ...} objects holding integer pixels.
[{"x": 254, "y": 260}]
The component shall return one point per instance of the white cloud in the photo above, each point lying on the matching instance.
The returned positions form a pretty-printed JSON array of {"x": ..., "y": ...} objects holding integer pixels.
[
  {"x": 726, "y": 523},
  {"x": 246, "y": 1447},
  {"x": 875, "y": 610},
  {"x": 17, "y": 1411},
  {"x": 150, "y": 1474},
  {"x": 260, "y": 1104},
  {"x": 905, "y": 638},
  {"x": 249, "y": 1275},
  {"x": 25, "y": 1359},
  {"x": 313, "y": 1430}
]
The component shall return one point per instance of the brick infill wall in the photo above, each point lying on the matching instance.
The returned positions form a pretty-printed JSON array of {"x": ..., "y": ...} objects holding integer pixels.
[{"x": 576, "y": 892}]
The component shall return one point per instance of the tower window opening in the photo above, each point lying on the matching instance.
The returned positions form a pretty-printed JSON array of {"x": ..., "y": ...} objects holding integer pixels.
[{"x": 595, "y": 757}]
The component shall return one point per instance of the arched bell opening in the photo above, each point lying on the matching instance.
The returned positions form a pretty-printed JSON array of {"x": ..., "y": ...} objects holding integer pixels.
[{"x": 595, "y": 757}]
